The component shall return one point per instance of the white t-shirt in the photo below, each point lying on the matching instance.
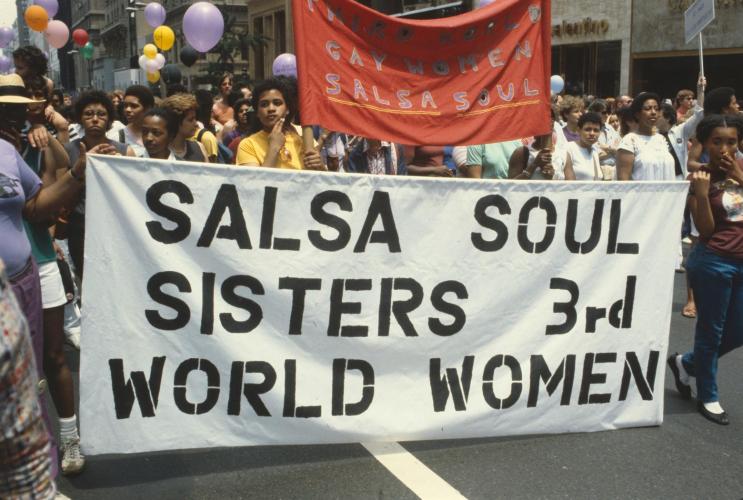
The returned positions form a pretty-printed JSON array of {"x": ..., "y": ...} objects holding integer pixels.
[
  {"x": 609, "y": 137},
  {"x": 585, "y": 162},
  {"x": 653, "y": 161},
  {"x": 559, "y": 155},
  {"x": 115, "y": 127},
  {"x": 679, "y": 136},
  {"x": 129, "y": 139}
]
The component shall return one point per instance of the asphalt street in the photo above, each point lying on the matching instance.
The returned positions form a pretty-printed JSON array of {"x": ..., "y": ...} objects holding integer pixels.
[{"x": 686, "y": 457}]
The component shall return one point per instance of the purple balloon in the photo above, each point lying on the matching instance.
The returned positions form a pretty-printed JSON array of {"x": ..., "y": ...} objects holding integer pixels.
[
  {"x": 6, "y": 36},
  {"x": 5, "y": 63},
  {"x": 50, "y": 6},
  {"x": 285, "y": 65},
  {"x": 154, "y": 14},
  {"x": 203, "y": 26}
]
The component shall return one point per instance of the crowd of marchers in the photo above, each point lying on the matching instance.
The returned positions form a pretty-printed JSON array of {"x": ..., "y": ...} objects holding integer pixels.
[{"x": 45, "y": 137}]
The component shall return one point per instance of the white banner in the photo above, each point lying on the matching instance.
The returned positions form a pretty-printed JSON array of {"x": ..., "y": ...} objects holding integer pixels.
[{"x": 246, "y": 306}]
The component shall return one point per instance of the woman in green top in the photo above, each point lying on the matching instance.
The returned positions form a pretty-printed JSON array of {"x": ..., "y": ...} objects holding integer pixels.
[{"x": 490, "y": 161}]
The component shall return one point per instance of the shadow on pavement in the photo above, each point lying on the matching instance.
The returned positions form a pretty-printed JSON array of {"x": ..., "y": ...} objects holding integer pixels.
[{"x": 106, "y": 471}]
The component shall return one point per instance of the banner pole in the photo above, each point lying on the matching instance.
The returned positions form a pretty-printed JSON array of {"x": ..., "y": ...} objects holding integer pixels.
[
  {"x": 308, "y": 138},
  {"x": 701, "y": 56}
]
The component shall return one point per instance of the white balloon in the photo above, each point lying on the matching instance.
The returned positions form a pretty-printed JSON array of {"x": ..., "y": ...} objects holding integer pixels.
[
  {"x": 151, "y": 65},
  {"x": 557, "y": 84},
  {"x": 142, "y": 60},
  {"x": 160, "y": 59}
]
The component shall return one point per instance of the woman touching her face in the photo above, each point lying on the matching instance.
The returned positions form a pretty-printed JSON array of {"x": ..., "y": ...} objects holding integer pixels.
[
  {"x": 275, "y": 142},
  {"x": 715, "y": 264}
]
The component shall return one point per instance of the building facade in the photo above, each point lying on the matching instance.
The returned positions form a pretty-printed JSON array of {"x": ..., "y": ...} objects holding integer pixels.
[
  {"x": 271, "y": 19},
  {"x": 118, "y": 31},
  {"x": 662, "y": 61},
  {"x": 90, "y": 16},
  {"x": 591, "y": 45},
  {"x": 23, "y": 33}
]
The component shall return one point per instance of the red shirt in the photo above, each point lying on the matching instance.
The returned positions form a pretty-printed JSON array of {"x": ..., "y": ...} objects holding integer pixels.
[{"x": 726, "y": 199}]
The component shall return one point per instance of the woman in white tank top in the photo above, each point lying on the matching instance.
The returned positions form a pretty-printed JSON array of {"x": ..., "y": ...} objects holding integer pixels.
[{"x": 582, "y": 163}]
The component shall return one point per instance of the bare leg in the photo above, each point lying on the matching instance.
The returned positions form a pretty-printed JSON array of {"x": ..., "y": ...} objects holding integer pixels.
[
  {"x": 55, "y": 366},
  {"x": 690, "y": 309}
]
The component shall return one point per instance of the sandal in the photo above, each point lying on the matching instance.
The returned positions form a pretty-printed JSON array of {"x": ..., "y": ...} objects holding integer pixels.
[{"x": 689, "y": 312}]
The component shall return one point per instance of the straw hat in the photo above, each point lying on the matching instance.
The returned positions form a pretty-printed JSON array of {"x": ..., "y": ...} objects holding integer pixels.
[{"x": 13, "y": 91}]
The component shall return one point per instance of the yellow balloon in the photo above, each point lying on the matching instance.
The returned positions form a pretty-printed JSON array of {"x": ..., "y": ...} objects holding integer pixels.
[
  {"x": 153, "y": 77},
  {"x": 150, "y": 51},
  {"x": 164, "y": 38}
]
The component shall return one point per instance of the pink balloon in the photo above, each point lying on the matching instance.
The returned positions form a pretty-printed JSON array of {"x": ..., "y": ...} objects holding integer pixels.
[
  {"x": 57, "y": 34},
  {"x": 50, "y": 6}
]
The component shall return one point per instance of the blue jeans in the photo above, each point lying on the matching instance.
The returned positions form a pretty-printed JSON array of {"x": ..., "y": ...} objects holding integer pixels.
[{"x": 718, "y": 292}]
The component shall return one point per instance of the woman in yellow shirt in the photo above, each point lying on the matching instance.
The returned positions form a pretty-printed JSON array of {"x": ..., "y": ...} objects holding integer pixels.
[{"x": 276, "y": 143}]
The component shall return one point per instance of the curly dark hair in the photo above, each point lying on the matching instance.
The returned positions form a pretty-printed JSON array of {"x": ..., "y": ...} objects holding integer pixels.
[
  {"x": 288, "y": 91},
  {"x": 171, "y": 120},
  {"x": 594, "y": 118},
  {"x": 238, "y": 104},
  {"x": 639, "y": 101},
  {"x": 143, "y": 94},
  {"x": 59, "y": 94},
  {"x": 34, "y": 59},
  {"x": 718, "y": 99},
  {"x": 37, "y": 83},
  {"x": 94, "y": 97},
  {"x": 711, "y": 122}
]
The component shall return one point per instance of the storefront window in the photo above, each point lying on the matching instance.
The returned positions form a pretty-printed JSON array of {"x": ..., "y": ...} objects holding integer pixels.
[
  {"x": 589, "y": 68},
  {"x": 668, "y": 75}
]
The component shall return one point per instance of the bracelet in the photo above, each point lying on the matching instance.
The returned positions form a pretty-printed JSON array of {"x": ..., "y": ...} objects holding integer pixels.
[{"x": 76, "y": 177}]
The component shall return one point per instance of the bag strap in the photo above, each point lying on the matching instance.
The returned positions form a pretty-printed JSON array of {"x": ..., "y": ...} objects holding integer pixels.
[
  {"x": 122, "y": 138},
  {"x": 676, "y": 161},
  {"x": 201, "y": 134}
]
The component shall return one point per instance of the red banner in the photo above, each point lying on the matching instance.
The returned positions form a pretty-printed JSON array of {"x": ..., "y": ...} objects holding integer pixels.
[{"x": 476, "y": 78}]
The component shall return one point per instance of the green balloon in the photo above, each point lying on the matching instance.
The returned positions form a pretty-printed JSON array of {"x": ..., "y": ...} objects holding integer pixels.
[{"x": 87, "y": 50}]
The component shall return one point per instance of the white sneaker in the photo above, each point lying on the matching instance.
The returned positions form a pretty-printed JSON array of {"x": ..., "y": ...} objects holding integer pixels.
[
  {"x": 72, "y": 338},
  {"x": 73, "y": 460}
]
